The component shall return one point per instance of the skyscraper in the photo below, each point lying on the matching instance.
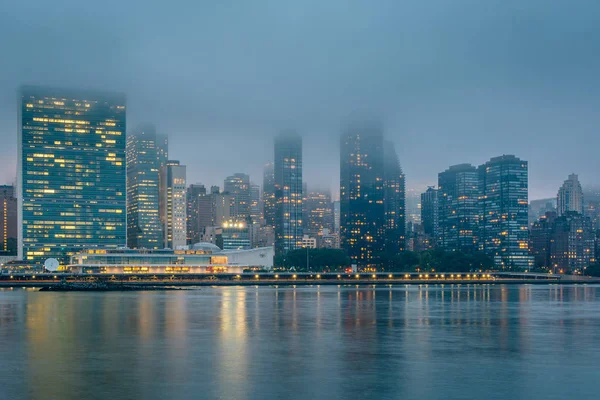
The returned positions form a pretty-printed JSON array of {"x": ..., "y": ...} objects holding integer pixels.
[
  {"x": 195, "y": 194},
  {"x": 458, "y": 217},
  {"x": 570, "y": 196},
  {"x": 8, "y": 220},
  {"x": 71, "y": 172},
  {"x": 362, "y": 219},
  {"x": 572, "y": 243},
  {"x": 429, "y": 214},
  {"x": 319, "y": 214},
  {"x": 173, "y": 205},
  {"x": 288, "y": 192},
  {"x": 238, "y": 186},
  {"x": 255, "y": 204},
  {"x": 503, "y": 227},
  {"x": 269, "y": 201},
  {"x": 394, "y": 200},
  {"x": 144, "y": 159}
]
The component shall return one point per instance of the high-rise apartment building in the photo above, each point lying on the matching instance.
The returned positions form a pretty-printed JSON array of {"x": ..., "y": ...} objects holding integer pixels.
[
  {"x": 362, "y": 217},
  {"x": 71, "y": 172},
  {"x": 394, "y": 200},
  {"x": 238, "y": 186},
  {"x": 503, "y": 227},
  {"x": 195, "y": 194},
  {"x": 319, "y": 214},
  {"x": 570, "y": 196},
  {"x": 458, "y": 217},
  {"x": 269, "y": 201},
  {"x": 572, "y": 243},
  {"x": 173, "y": 205},
  {"x": 540, "y": 236},
  {"x": 144, "y": 158},
  {"x": 429, "y": 214},
  {"x": 288, "y": 192},
  {"x": 8, "y": 220}
]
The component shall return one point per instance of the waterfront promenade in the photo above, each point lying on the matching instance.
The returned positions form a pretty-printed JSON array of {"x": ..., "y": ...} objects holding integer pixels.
[{"x": 291, "y": 279}]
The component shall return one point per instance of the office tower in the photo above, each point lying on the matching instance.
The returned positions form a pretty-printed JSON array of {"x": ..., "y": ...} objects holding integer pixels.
[
  {"x": 570, "y": 196},
  {"x": 269, "y": 201},
  {"x": 591, "y": 196},
  {"x": 213, "y": 210},
  {"x": 235, "y": 235},
  {"x": 458, "y": 193},
  {"x": 288, "y": 192},
  {"x": 144, "y": 159},
  {"x": 572, "y": 243},
  {"x": 540, "y": 236},
  {"x": 503, "y": 227},
  {"x": 195, "y": 194},
  {"x": 394, "y": 200},
  {"x": 413, "y": 206},
  {"x": 238, "y": 186},
  {"x": 173, "y": 205},
  {"x": 71, "y": 172},
  {"x": 336, "y": 216},
  {"x": 8, "y": 220},
  {"x": 429, "y": 214},
  {"x": 255, "y": 204},
  {"x": 319, "y": 214},
  {"x": 362, "y": 218}
]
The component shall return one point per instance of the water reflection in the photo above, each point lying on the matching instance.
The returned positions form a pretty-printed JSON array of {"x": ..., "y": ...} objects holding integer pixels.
[{"x": 428, "y": 341}]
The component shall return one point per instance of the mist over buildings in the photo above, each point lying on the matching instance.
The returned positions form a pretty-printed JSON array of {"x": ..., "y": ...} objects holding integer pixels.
[{"x": 451, "y": 81}]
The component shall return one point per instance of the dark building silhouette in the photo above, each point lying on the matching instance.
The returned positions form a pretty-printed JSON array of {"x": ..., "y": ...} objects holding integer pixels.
[
  {"x": 394, "y": 200},
  {"x": 540, "y": 236},
  {"x": 572, "y": 243},
  {"x": 362, "y": 211},
  {"x": 288, "y": 192}
]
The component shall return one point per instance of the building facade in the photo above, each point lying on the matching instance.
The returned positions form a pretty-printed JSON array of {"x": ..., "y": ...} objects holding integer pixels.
[
  {"x": 504, "y": 212},
  {"x": 8, "y": 221},
  {"x": 572, "y": 243},
  {"x": 238, "y": 187},
  {"x": 394, "y": 201},
  {"x": 362, "y": 212},
  {"x": 195, "y": 194},
  {"x": 570, "y": 196},
  {"x": 71, "y": 172},
  {"x": 173, "y": 204},
  {"x": 429, "y": 215},
  {"x": 255, "y": 204},
  {"x": 319, "y": 214},
  {"x": 458, "y": 216},
  {"x": 144, "y": 158},
  {"x": 269, "y": 200},
  {"x": 288, "y": 192}
]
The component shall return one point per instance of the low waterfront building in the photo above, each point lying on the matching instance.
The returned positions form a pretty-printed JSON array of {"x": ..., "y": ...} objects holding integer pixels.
[{"x": 200, "y": 258}]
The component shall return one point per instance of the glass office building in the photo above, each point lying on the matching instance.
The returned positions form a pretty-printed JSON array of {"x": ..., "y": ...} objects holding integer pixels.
[
  {"x": 362, "y": 218},
  {"x": 458, "y": 213},
  {"x": 71, "y": 172},
  {"x": 288, "y": 192},
  {"x": 504, "y": 207},
  {"x": 144, "y": 158}
]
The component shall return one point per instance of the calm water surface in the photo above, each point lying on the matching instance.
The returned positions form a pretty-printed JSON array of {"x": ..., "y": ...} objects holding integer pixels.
[{"x": 436, "y": 342}]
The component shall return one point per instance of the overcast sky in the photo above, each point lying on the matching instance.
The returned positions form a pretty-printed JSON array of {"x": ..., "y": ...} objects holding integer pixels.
[{"x": 452, "y": 80}]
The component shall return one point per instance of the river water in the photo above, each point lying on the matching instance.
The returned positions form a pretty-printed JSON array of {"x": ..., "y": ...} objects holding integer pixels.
[{"x": 327, "y": 342}]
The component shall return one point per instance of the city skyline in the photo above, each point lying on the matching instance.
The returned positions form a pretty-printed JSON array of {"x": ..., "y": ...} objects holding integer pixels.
[{"x": 474, "y": 85}]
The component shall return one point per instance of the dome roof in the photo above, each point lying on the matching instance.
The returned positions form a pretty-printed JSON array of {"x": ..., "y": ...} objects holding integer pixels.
[{"x": 206, "y": 247}]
